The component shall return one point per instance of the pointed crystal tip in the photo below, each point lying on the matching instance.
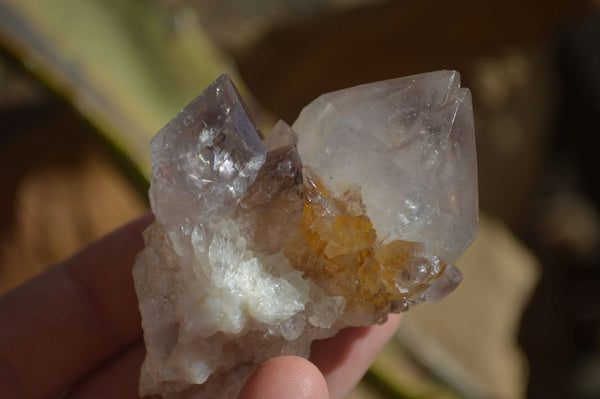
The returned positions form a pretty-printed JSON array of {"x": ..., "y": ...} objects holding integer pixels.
[
  {"x": 408, "y": 144},
  {"x": 206, "y": 156}
]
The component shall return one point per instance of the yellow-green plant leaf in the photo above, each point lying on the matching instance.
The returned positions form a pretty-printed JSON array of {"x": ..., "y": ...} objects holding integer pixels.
[{"x": 126, "y": 65}]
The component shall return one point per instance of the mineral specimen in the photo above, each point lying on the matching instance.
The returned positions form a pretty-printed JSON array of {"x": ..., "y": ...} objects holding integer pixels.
[{"x": 259, "y": 248}]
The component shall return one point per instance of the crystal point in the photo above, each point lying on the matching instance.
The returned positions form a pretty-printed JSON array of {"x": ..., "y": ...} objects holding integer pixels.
[
  {"x": 259, "y": 248},
  {"x": 207, "y": 155},
  {"x": 275, "y": 201},
  {"x": 408, "y": 143}
]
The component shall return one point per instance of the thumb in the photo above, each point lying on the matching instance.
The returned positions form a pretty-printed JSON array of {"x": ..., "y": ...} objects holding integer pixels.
[{"x": 286, "y": 377}]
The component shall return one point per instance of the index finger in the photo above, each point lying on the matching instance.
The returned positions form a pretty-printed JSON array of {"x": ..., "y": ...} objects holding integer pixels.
[{"x": 67, "y": 321}]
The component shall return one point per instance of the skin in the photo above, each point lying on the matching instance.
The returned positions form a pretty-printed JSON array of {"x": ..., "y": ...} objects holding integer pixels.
[{"x": 75, "y": 330}]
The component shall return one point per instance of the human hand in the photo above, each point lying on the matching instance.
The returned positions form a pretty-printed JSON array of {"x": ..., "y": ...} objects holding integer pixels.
[{"x": 76, "y": 329}]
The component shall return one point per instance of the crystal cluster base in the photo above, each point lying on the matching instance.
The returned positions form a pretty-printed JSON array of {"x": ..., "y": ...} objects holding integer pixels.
[{"x": 259, "y": 247}]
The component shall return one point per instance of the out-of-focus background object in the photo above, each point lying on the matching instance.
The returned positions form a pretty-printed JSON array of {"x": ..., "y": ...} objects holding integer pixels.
[{"x": 85, "y": 84}]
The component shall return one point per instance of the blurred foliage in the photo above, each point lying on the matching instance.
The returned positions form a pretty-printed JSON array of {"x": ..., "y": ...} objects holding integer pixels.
[
  {"x": 396, "y": 374},
  {"x": 128, "y": 66}
]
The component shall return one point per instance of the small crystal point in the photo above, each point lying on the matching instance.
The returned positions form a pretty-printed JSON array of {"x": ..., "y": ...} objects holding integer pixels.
[
  {"x": 409, "y": 145},
  {"x": 274, "y": 203},
  {"x": 206, "y": 156},
  {"x": 281, "y": 135}
]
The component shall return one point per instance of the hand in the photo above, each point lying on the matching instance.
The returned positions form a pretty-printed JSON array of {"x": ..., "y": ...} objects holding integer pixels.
[{"x": 76, "y": 329}]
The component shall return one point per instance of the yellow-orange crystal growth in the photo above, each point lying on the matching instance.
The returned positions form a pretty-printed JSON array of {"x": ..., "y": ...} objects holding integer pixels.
[{"x": 337, "y": 247}]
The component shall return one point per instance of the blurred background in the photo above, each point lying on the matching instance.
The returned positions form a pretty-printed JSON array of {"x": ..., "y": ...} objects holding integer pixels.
[{"x": 85, "y": 84}]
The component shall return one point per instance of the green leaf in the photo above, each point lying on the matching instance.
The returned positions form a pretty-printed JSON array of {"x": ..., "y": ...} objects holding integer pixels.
[{"x": 127, "y": 65}]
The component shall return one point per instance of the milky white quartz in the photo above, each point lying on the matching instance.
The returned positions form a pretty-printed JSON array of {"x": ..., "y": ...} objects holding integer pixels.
[
  {"x": 408, "y": 143},
  {"x": 246, "y": 259}
]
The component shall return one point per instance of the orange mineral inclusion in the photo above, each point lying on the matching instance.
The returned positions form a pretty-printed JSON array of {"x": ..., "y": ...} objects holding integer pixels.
[{"x": 337, "y": 247}]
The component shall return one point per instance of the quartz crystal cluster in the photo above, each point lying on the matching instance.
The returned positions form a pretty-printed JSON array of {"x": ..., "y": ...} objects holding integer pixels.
[{"x": 260, "y": 247}]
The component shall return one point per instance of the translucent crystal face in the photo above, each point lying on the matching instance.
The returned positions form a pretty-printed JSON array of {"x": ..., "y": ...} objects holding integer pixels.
[
  {"x": 205, "y": 158},
  {"x": 259, "y": 248},
  {"x": 408, "y": 145}
]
